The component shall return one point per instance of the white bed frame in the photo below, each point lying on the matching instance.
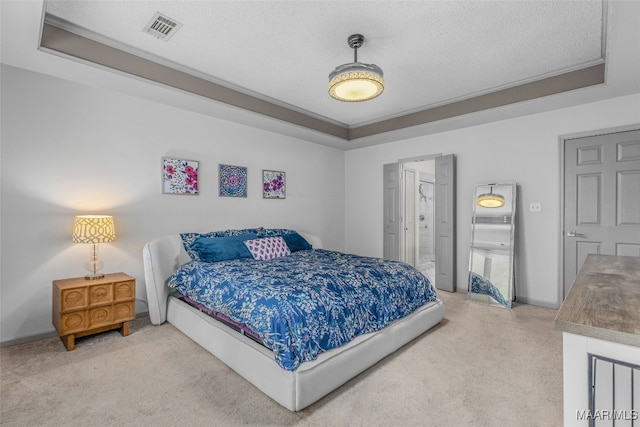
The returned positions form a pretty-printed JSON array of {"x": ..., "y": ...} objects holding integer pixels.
[{"x": 294, "y": 390}]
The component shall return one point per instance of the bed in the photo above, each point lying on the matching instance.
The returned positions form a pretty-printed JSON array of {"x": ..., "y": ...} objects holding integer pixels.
[{"x": 294, "y": 386}]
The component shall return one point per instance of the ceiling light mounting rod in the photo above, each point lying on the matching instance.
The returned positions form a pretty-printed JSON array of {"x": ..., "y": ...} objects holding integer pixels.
[{"x": 355, "y": 41}]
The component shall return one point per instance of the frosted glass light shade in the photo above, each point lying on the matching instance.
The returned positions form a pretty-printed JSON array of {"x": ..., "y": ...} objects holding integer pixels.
[
  {"x": 356, "y": 82},
  {"x": 490, "y": 200}
]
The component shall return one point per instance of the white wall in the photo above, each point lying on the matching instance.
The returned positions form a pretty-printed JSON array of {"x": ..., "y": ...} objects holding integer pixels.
[
  {"x": 69, "y": 149},
  {"x": 524, "y": 150}
]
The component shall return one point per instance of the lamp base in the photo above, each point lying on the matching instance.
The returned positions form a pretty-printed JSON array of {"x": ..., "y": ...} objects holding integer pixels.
[{"x": 94, "y": 265}]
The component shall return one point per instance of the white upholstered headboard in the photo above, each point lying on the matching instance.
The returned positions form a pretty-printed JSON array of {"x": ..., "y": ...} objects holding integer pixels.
[{"x": 161, "y": 257}]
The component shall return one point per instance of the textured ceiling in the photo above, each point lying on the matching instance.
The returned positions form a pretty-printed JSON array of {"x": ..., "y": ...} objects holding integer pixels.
[{"x": 432, "y": 52}]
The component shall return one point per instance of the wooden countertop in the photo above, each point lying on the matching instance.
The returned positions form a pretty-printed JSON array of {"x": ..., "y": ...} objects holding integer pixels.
[{"x": 604, "y": 301}]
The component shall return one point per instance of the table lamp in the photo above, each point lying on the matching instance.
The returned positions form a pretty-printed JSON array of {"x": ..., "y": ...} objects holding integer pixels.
[{"x": 94, "y": 229}]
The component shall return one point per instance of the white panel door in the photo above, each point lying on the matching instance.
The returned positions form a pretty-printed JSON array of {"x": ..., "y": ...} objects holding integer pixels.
[
  {"x": 391, "y": 211},
  {"x": 445, "y": 223},
  {"x": 410, "y": 220},
  {"x": 601, "y": 198}
]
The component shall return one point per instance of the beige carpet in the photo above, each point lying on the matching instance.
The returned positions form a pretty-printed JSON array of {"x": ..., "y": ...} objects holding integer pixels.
[{"x": 482, "y": 366}]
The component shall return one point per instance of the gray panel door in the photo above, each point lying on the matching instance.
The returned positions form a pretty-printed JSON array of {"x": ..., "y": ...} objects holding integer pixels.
[
  {"x": 391, "y": 213},
  {"x": 601, "y": 198},
  {"x": 410, "y": 217},
  {"x": 445, "y": 223}
]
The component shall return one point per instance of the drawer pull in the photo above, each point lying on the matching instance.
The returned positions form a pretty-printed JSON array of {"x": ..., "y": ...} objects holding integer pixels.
[
  {"x": 100, "y": 292},
  {"x": 100, "y": 315}
]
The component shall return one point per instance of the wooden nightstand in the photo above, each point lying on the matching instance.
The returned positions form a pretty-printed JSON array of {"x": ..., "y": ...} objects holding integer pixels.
[{"x": 83, "y": 307}]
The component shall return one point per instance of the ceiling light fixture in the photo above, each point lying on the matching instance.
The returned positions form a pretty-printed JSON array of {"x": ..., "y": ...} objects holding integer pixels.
[
  {"x": 490, "y": 200},
  {"x": 356, "y": 81}
]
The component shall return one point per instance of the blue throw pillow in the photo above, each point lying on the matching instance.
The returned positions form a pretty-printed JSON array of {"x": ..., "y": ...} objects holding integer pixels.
[
  {"x": 296, "y": 242},
  {"x": 213, "y": 249}
]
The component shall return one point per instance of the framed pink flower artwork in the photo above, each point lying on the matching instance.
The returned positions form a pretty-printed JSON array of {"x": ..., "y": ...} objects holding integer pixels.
[
  {"x": 179, "y": 176},
  {"x": 273, "y": 184}
]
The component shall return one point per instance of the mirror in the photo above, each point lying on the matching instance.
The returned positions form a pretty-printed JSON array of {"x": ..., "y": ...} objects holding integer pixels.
[{"x": 491, "y": 260}]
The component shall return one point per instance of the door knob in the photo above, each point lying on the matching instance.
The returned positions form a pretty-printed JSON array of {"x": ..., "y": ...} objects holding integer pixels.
[{"x": 573, "y": 233}]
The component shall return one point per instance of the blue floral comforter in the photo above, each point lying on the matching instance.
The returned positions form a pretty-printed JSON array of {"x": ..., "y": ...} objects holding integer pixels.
[{"x": 309, "y": 302}]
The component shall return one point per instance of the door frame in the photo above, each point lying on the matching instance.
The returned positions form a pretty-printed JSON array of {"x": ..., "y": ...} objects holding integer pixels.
[{"x": 562, "y": 139}]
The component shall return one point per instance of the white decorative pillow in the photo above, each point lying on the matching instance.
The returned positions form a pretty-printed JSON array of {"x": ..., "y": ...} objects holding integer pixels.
[{"x": 267, "y": 248}]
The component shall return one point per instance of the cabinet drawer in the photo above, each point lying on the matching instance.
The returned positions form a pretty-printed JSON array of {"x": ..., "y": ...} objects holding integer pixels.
[
  {"x": 73, "y": 298},
  {"x": 123, "y": 311},
  {"x": 124, "y": 290},
  {"x": 75, "y": 321},
  {"x": 100, "y": 316},
  {"x": 100, "y": 294}
]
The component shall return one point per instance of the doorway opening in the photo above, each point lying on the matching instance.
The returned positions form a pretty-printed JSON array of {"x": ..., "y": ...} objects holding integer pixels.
[
  {"x": 402, "y": 234},
  {"x": 417, "y": 213}
]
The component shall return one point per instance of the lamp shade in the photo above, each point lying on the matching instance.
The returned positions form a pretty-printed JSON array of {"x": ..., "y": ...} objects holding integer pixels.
[{"x": 93, "y": 229}]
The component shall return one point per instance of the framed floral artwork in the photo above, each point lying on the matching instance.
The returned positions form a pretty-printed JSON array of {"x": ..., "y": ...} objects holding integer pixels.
[
  {"x": 179, "y": 176},
  {"x": 273, "y": 184},
  {"x": 233, "y": 181}
]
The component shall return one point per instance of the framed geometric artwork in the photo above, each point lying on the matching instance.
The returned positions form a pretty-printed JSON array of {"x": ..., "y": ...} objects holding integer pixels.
[
  {"x": 233, "y": 181},
  {"x": 273, "y": 184},
  {"x": 179, "y": 176}
]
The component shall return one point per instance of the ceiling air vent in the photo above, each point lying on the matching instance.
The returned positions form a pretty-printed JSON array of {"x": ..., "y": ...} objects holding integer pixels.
[{"x": 162, "y": 26}]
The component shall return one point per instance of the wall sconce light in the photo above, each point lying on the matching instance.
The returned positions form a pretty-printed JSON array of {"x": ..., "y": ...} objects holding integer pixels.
[
  {"x": 94, "y": 229},
  {"x": 490, "y": 199}
]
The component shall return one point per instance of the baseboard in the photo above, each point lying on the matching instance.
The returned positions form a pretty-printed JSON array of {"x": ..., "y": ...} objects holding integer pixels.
[
  {"x": 46, "y": 335},
  {"x": 29, "y": 338},
  {"x": 533, "y": 301}
]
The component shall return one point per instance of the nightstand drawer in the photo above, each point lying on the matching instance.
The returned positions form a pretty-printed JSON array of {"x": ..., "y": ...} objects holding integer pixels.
[
  {"x": 100, "y": 316},
  {"x": 75, "y": 321},
  {"x": 100, "y": 294},
  {"x": 124, "y": 290},
  {"x": 123, "y": 311},
  {"x": 73, "y": 298}
]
